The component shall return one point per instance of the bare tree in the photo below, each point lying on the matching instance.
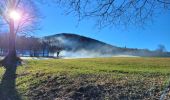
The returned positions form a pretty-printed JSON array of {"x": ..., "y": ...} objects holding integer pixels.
[
  {"x": 3, "y": 43},
  {"x": 161, "y": 48},
  {"x": 115, "y": 12},
  {"x": 16, "y": 16}
]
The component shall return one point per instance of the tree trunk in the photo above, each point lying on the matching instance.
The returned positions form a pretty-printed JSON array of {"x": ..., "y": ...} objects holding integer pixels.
[
  {"x": 11, "y": 57},
  {"x": 43, "y": 52},
  {"x": 7, "y": 86},
  {"x": 12, "y": 38}
]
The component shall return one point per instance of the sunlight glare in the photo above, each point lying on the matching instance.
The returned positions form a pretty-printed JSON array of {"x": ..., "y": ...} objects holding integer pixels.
[{"x": 14, "y": 15}]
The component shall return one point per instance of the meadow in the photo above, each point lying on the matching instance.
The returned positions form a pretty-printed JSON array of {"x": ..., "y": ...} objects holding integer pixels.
[{"x": 93, "y": 78}]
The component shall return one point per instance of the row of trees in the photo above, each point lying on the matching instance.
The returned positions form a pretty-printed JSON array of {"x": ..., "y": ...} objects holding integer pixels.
[{"x": 31, "y": 46}]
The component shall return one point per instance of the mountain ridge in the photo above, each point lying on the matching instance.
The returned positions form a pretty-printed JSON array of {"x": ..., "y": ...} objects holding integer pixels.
[{"x": 75, "y": 43}]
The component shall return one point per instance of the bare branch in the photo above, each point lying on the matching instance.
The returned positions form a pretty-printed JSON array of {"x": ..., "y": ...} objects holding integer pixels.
[
  {"x": 115, "y": 12},
  {"x": 28, "y": 9},
  {"x": 164, "y": 1}
]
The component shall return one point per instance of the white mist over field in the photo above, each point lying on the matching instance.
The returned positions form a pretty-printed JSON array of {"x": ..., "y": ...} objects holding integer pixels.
[
  {"x": 86, "y": 54},
  {"x": 82, "y": 54},
  {"x": 76, "y": 55}
]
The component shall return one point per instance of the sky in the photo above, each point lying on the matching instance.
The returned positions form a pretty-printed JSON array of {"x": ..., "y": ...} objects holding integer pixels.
[{"x": 149, "y": 37}]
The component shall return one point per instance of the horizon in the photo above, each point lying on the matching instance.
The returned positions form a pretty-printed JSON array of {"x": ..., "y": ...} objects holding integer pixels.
[
  {"x": 100, "y": 41},
  {"x": 153, "y": 34}
]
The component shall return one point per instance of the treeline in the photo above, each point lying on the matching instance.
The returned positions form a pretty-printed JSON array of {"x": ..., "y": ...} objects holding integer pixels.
[
  {"x": 31, "y": 46},
  {"x": 53, "y": 45},
  {"x": 159, "y": 52}
]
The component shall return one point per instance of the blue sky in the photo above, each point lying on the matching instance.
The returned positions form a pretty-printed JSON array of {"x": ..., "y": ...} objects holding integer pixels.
[{"x": 149, "y": 37}]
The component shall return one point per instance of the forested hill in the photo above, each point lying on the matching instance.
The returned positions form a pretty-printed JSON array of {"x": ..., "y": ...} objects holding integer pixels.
[
  {"x": 73, "y": 45},
  {"x": 87, "y": 46},
  {"x": 74, "y": 42}
]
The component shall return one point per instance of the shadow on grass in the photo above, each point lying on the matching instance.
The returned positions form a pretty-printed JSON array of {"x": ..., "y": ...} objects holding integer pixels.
[{"x": 7, "y": 86}]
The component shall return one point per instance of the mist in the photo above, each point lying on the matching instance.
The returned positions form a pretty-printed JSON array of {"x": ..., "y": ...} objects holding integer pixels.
[{"x": 76, "y": 46}]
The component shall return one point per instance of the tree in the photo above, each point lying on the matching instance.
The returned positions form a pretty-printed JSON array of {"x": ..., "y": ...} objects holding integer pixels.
[
  {"x": 35, "y": 46},
  {"x": 16, "y": 16},
  {"x": 44, "y": 46},
  {"x": 161, "y": 48},
  {"x": 3, "y": 43},
  {"x": 52, "y": 45},
  {"x": 115, "y": 12}
]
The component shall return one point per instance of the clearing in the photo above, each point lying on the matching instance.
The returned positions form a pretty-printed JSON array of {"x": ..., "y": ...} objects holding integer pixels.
[{"x": 93, "y": 78}]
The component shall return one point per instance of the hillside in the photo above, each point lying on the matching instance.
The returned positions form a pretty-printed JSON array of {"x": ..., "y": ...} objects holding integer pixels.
[
  {"x": 73, "y": 45},
  {"x": 81, "y": 46}
]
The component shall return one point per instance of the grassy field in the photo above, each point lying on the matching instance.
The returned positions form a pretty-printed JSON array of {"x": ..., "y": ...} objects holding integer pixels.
[{"x": 93, "y": 78}]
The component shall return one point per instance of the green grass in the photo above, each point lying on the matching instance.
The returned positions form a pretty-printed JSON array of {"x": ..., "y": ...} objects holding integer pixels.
[
  {"x": 97, "y": 70},
  {"x": 154, "y": 66}
]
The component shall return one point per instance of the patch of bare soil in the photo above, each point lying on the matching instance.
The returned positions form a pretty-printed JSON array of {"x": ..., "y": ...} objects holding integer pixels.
[{"x": 91, "y": 87}]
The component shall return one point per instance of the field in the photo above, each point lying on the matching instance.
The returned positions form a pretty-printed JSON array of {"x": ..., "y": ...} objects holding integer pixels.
[{"x": 93, "y": 78}]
